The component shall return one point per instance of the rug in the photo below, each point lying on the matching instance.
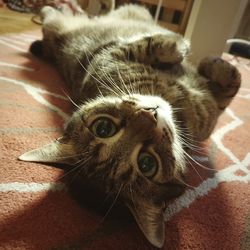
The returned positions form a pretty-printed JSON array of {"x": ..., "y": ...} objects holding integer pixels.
[{"x": 38, "y": 212}]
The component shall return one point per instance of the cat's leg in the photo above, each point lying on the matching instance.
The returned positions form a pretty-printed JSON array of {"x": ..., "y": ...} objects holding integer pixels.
[
  {"x": 160, "y": 48},
  {"x": 51, "y": 27},
  {"x": 224, "y": 79},
  {"x": 61, "y": 22},
  {"x": 54, "y": 25}
]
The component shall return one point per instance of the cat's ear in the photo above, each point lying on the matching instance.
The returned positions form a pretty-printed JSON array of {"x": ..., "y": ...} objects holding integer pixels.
[
  {"x": 149, "y": 218},
  {"x": 58, "y": 151}
]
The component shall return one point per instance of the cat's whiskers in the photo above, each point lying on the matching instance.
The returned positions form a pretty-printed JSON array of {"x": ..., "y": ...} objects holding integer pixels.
[
  {"x": 83, "y": 158},
  {"x": 122, "y": 81},
  {"x": 176, "y": 109},
  {"x": 191, "y": 146},
  {"x": 70, "y": 99},
  {"x": 188, "y": 141},
  {"x": 199, "y": 164},
  {"x": 68, "y": 172},
  {"x": 132, "y": 86},
  {"x": 135, "y": 85},
  {"x": 68, "y": 156},
  {"x": 76, "y": 164},
  {"x": 152, "y": 85},
  {"x": 128, "y": 75},
  {"x": 101, "y": 83},
  {"x": 132, "y": 197},
  {"x": 88, "y": 53},
  {"x": 189, "y": 137},
  {"x": 184, "y": 183},
  {"x": 109, "y": 194},
  {"x": 197, "y": 172},
  {"x": 189, "y": 159},
  {"x": 79, "y": 168},
  {"x": 189, "y": 163},
  {"x": 121, "y": 89},
  {"x": 112, "y": 204},
  {"x": 111, "y": 81},
  {"x": 194, "y": 148},
  {"x": 150, "y": 90},
  {"x": 109, "y": 77},
  {"x": 100, "y": 93}
]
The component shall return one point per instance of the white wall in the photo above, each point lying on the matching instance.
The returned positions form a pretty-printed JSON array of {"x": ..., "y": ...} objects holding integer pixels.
[{"x": 210, "y": 25}]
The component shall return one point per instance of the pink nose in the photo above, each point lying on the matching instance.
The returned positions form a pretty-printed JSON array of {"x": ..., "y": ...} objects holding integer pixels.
[{"x": 150, "y": 114}]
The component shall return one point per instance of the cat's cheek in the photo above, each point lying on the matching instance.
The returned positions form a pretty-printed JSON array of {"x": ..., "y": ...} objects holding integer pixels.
[
  {"x": 134, "y": 155},
  {"x": 89, "y": 138},
  {"x": 104, "y": 153}
]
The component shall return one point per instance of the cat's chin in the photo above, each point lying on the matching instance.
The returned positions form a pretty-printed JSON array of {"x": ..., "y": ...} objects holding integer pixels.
[{"x": 149, "y": 101}]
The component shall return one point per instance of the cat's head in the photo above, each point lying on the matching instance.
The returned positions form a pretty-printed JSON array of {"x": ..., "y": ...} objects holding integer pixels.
[{"x": 132, "y": 147}]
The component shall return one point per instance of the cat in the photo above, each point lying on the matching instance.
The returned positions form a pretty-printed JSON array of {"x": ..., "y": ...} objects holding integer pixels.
[{"x": 138, "y": 101}]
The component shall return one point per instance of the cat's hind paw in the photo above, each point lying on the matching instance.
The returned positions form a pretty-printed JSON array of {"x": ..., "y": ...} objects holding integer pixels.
[
  {"x": 36, "y": 48},
  {"x": 47, "y": 12},
  {"x": 224, "y": 78}
]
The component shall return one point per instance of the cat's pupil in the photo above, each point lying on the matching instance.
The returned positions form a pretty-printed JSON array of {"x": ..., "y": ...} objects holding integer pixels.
[
  {"x": 147, "y": 164},
  {"x": 104, "y": 127}
]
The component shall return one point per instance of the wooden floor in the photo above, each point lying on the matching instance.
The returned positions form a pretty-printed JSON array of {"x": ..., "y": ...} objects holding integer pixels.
[{"x": 13, "y": 21}]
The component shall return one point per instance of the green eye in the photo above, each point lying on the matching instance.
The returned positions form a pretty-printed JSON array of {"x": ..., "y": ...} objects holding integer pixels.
[
  {"x": 147, "y": 164},
  {"x": 103, "y": 127}
]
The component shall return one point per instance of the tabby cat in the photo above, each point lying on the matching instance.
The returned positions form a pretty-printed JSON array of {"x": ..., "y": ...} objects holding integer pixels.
[{"x": 138, "y": 100}]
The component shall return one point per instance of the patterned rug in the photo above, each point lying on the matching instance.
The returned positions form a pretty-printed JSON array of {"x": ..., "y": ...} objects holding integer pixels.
[{"x": 38, "y": 212}]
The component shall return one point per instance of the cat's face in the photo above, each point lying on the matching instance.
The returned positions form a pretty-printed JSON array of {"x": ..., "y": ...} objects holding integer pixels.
[{"x": 131, "y": 146}]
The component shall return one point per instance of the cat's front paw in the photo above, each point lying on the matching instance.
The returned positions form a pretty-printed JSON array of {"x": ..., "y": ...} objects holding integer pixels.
[{"x": 169, "y": 49}]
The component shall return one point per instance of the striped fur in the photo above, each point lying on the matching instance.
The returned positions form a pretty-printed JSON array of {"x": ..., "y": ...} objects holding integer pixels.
[{"x": 126, "y": 67}]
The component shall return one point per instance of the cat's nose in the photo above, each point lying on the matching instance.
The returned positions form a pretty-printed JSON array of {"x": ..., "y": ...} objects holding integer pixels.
[{"x": 150, "y": 113}]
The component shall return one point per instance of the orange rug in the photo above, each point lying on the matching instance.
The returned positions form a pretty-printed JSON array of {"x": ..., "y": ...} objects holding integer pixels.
[{"x": 36, "y": 209}]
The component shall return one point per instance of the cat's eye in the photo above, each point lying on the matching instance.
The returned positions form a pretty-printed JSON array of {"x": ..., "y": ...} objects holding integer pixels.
[
  {"x": 103, "y": 127},
  {"x": 147, "y": 164}
]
